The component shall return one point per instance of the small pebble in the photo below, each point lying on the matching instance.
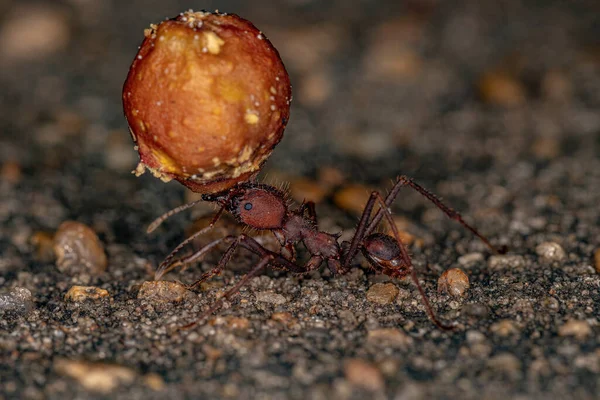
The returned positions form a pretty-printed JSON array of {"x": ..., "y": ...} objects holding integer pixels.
[
  {"x": 476, "y": 310},
  {"x": 505, "y": 327},
  {"x": 238, "y": 323},
  {"x": 33, "y": 32},
  {"x": 211, "y": 353},
  {"x": 97, "y": 377},
  {"x": 470, "y": 259},
  {"x": 83, "y": 293},
  {"x": 363, "y": 374},
  {"x": 580, "y": 329},
  {"x": 546, "y": 148},
  {"x": 330, "y": 177},
  {"x": 501, "y": 89},
  {"x": 284, "y": 318},
  {"x": 597, "y": 260},
  {"x": 453, "y": 282},
  {"x": 507, "y": 364},
  {"x": 389, "y": 337},
  {"x": 352, "y": 198},
  {"x": 11, "y": 172},
  {"x": 498, "y": 262},
  {"x": 556, "y": 87},
  {"x": 382, "y": 293},
  {"x": 315, "y": 88},
  {"x": 550, "y": 251},
  {"x": 270, "y": 297},
  {"x": 303, "y": 189},
  {"x": 18, "y": 301},
  {"x": 78, "y": 249},
  {"x": 162, "y": 291},
  {"x": 154, "y": 381}
]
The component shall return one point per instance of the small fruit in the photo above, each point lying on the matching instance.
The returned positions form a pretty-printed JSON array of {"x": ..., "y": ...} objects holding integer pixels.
[{"x": 207, "y": 99}]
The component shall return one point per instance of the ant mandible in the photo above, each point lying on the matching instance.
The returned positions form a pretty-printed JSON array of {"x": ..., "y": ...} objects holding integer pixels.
[{"x": 264, "y": 207}]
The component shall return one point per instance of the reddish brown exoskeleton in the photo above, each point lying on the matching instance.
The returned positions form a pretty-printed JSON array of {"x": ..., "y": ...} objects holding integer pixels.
[{"x": 264, "y": 207}]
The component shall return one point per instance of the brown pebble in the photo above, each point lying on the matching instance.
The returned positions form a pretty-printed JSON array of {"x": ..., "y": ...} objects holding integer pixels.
[
  {"x": 502, "y": 89},
  {"x": 550, "y": 251},
  {"x": 97, "y": 377},
  {"x": 284, "y": 318},
  {"x": 83, "y": 293},
  {"x": 303, "y": 189},
  {"x": 580, "y": 329},
  {"x": 382, "y": 293},
  {"x": 43, "y": 243},
  {"x": 78, "y": 249},
  {"x": 505, "y": 327},
  {"x": 453, "y": 282},
  {"x": 315, "y": 88},
  {"x": 154, "y": 381},
  {"x": 162, "y": 291},
  {"x": 308, "y": 47},
  {"x": 236, "y": 323},
  {"x": 546, "y": 148},
  {"x": 389, "y": 337},
  {"x": 597, "y": 260},
  {"x": 330, "y": 176},
  {"x": 391, "y": 53},
  {"x": 33, "y": 32},
  {"x": 211, "y": 353},
  {"x": 364, "y": 374},
  {"x": 556, "y": 87},
  {"x": 11, "y": 172},
  {"x": 352, "y": 198}
]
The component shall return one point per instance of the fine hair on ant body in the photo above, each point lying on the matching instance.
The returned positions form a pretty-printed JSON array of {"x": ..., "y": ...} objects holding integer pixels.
[{"x": 264, "y": 207}]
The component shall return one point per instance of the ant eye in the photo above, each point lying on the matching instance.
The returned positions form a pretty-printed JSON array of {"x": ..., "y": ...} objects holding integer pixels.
[{"x": 248, "y": 206}]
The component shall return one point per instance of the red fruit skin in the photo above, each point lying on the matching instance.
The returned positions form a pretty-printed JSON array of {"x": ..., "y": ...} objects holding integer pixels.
[{"x": 207, "y": 99}]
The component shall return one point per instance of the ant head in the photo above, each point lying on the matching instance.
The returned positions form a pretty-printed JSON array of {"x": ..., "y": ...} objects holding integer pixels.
[{"x": 258, "y": 206}]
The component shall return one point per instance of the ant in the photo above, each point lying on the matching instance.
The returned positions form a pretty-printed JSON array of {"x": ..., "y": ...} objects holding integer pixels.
[{"x": 264, "y": 207}]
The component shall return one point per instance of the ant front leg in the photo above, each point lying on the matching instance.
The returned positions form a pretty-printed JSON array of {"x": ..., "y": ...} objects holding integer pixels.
[
  {"x": 167, "y": 264},
  {"x": 267, "y": 258}
]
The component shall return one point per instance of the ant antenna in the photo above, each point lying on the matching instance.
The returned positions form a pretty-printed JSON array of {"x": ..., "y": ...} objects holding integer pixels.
[{"x": 158, "y": 221}]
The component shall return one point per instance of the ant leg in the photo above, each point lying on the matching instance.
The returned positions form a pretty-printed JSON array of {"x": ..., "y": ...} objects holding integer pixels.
[
  {"x": 360, "y": 233},
  {"x": 267, "y": 257},
  {"x": 166, "y": 264},
  {"x": 408, "y": 262},
  {"x": 217, "y": 304},
  {"x": 191, "y": 258},
  {"x": 406, "y": 181},
  {"x": 158, "y": 221}
]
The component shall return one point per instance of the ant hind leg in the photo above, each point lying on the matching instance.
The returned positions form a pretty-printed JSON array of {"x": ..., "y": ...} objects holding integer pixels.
[{"x": 409, "y": 266}]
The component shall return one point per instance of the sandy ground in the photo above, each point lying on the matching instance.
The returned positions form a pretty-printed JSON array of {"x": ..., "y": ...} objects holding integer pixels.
[{"x": 494, "y": 107}]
